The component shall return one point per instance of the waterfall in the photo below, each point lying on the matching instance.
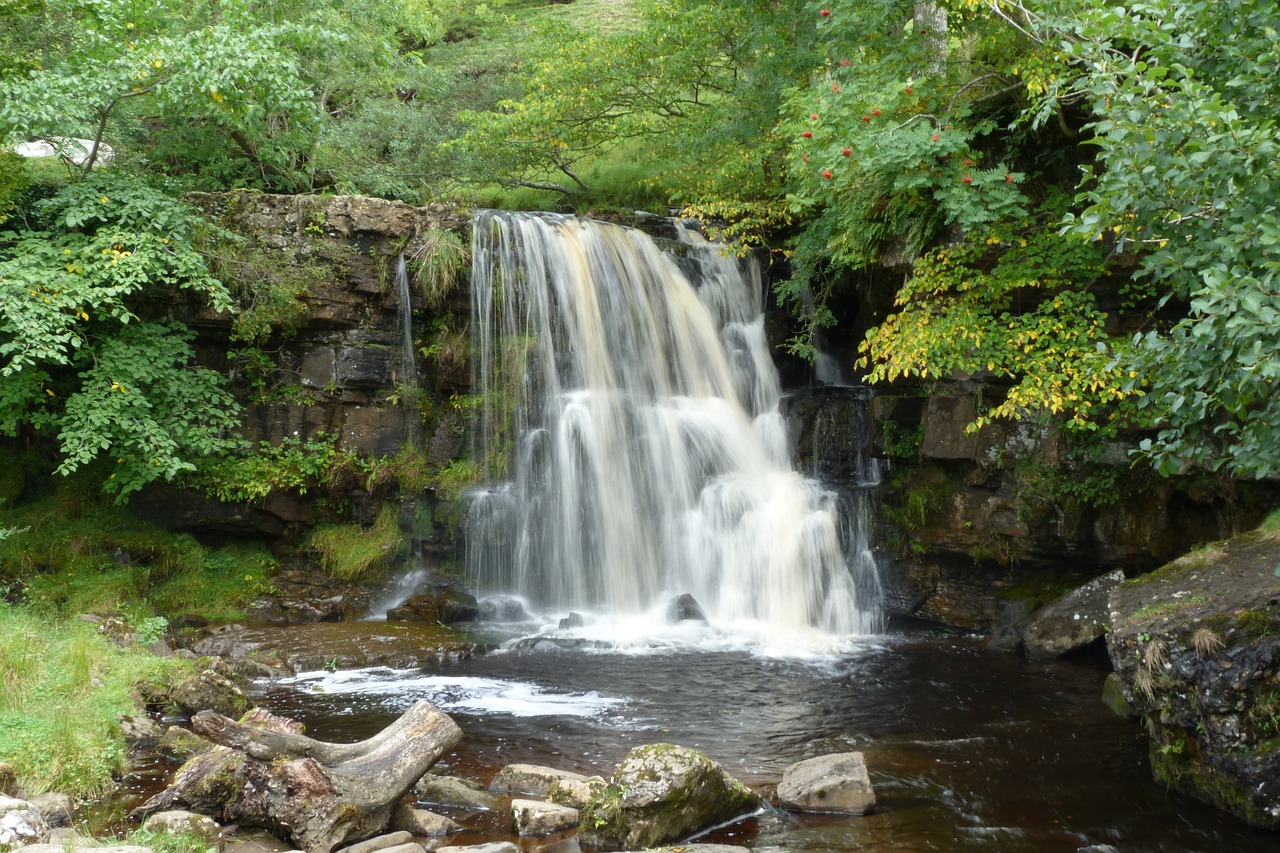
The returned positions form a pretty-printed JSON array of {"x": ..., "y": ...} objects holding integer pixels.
[
  {"x": 407, "y": 370},
  {"x": 630, "y": 408}
]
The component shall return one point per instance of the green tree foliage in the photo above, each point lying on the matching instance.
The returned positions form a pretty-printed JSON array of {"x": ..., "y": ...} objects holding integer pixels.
[
  {"x": 85, "y": 353},
  {"x": 1186, "y": 95}
]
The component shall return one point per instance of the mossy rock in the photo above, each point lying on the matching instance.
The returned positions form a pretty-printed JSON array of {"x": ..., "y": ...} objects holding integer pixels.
[{"x": 662, "y": 792}]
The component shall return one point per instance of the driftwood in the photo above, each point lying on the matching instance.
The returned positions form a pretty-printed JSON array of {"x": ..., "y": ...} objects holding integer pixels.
[{"x": 318, "y": 795}]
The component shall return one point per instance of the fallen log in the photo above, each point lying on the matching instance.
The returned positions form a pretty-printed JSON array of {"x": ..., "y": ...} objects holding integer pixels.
[{"x": 317, "y": 795}]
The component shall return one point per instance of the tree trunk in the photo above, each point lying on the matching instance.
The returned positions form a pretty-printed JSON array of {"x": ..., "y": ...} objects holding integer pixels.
[
  {"x": 930, "y": 21},
  {"x": 317, "y": 795}
]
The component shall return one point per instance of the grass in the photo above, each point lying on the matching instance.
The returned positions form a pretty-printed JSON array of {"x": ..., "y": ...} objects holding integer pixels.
[
  {"x": 1271, "y": 524},
  {"x": 352, "y": 552},
  {"x": 63, "y": 688}
]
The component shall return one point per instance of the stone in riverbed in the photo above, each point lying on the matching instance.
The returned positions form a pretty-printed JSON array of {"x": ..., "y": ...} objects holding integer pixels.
[
  {"x": 452, "y": 791},
  {"x": 179, "y": 822},
  {"x": 58, "y": 810},
  {"x": 1073, "y": 621},
  {"x": 390, "y": 841},
  {"x": 829, "y": 783},
  {"x": 537, "y": 817},
  {"x": 139, "y": 730},
  {"x": 209, "y": 691},
  {"x": 576, "y": 793},
  {"x": 492, "y": 847},
  {"x": 530, "y": 779},
  {"x": 420, "y": 822},
  {"x": 662, "y": 792}
]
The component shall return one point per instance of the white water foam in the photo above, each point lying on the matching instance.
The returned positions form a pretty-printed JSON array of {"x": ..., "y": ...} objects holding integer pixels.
[{"x": 399, "y": 689}]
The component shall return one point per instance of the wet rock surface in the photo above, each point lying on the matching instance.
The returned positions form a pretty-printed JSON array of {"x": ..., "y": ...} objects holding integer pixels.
[
  {"x": 1072, "y": 622},
  {"x": 1197, "y": 646},
  {"x": 344, "y": 645}
]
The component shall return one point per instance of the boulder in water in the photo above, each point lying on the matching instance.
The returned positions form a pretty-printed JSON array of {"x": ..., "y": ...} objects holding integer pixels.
[
  {"x": 829, "y": 783},
  {"x": 662, "y": 792},
  {"x": 684, "y": 608},
  {"x": 573, "y": 620},
  {"x": 452, "y": 791},
  {"x": 422, "y": 823},
  {"x": 502, "y": 608},
  {"x": 180, "y": 822},
  {"x": 536, "y": 817},
  {"x": 530, "y": 779},
  {"x": 420, "y": 608},
  {"x": 1073, "y": 621}
]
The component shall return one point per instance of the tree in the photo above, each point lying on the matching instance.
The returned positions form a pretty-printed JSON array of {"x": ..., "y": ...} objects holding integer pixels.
[
  {"x": 86, "y": 354},
  {"x": 1185, "y": 95}
]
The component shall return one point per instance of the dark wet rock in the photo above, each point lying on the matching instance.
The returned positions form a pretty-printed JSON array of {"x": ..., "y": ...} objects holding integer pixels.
[
  {"x": 573, "y": 620},
  {"x": 209, "y": 691},
  {"x": 685, "y": 607},
  {"x": 502, "y": 608},
  {"x": 699, "y": 848},
  {"x": 453, "y": 791},
  {"x": 244, "y": 670},
  {"x": 225, "y": 641},
  {"x": 420, "y": 608},
  {"x": 1072, "y": 622},
  {"x": 58, "y": 810},
  {"x": 304, "y": 596},
  {"x": 422, "y": 823},
  {"x": 1197, "y": 647},
  {"x": 457, "y": 606},
  {"x": 829, "y": 428},
  {"x": 1113, "y": 697},
  {"x": 1006, "y": 636},
  {"x": 179, "y": 822},
  {"x": 530, "y": 779},
  {"x": 320, "y": 645},
  {"x": 829, "y": 783},
  {"x": 662, "y": 792},
  {"x": 537, "y": 817}
]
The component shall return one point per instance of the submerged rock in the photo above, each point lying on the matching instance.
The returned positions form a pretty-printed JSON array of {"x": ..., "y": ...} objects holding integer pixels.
[
  {"x": 1072, "y": 622},
  {"x": 452, "y": 791},
  {"x": 503, "y": 608},
  {"x": 1197, "y": 646},
  {"x": 662, "y": 792},
  {"x": 829, "y": 783}
]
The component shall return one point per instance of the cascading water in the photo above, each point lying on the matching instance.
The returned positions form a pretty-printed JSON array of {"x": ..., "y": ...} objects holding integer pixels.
[
  {"x": 630, "y": 396},
  {"x": 414, "y": 576}
]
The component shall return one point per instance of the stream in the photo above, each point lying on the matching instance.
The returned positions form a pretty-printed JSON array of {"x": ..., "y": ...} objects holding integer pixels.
[{"x": 968, "y": 750}]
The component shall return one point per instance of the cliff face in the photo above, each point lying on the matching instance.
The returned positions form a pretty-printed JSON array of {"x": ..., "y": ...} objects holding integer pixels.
[
  {"x": 333, "y": 365},
  {"x": 968, "y": 525}
]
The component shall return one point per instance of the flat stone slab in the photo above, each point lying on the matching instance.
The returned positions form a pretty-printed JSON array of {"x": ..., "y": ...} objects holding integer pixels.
[
  {"x": 453, "y": 791},
  {"x": 421, "y": 822},
  {"x": 537, "y": 817},
  {"x": 828, "y": 784},
  {"x": 1072, "y": 622},
  {"x": 379, "y": 842},
  {"x": 530, "y": 779},
  {"x": 493, "y": 847}
]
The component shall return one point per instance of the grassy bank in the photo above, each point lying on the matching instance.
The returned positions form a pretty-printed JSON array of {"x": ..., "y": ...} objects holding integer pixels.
[{"x": 62, "y": 688}]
